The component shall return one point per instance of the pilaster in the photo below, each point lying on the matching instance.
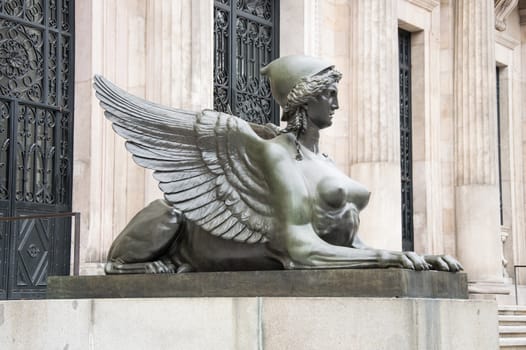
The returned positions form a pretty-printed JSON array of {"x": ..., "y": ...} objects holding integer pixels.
[
  {"x": 158, "y": 49},
  {"x": 476, "y": 186},
  {"x": 374, "y": 118}
]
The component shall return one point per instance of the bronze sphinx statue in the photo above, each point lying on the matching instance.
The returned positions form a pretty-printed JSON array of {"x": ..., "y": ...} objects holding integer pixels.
[{"x": 239, "y": 196}]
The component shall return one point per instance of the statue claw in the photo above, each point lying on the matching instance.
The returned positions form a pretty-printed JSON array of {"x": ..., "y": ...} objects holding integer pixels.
[
  {"x": 419, "y": 263},
  {"x": 160, "y": 267},
  {"x": 443, "y": 263}
]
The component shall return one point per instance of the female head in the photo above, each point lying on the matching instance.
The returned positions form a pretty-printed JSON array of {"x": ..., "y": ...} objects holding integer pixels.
[{"x": 306, "y": 89}]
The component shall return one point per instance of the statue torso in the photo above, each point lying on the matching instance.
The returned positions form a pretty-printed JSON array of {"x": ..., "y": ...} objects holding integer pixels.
[{"x": 335, "y": 199}]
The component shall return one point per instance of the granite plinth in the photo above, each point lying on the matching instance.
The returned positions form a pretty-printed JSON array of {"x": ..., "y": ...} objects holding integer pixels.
[
  {"x": 382, "y": 283},
  {"x": 249, "y": 324}
]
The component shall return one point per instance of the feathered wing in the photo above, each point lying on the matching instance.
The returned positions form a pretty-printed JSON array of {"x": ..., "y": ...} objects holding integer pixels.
[{"x": 200, "y": 160}]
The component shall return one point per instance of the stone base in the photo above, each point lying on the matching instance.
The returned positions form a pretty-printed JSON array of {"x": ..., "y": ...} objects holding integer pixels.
[
  {"x": 487, "y": 290},
  {"x": 298, "y": 283},
  {"x": 510, "y": 298},
  {"x": 249, "y": 324}
]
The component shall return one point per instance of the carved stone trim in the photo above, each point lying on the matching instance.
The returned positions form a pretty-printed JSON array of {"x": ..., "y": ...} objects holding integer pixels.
[
  {"x": 427, "y": 5},
  {"x": 502, "y": 9},
  {"x": 506, "y": 41}
]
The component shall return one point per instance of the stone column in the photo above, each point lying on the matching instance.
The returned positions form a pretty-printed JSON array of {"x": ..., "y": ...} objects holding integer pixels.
[
  {"x": 520, "y": 238},
  {"x": 179, "y": 59},
  {"x": 374, "y": 119},
  {"x": 158, "y": 49},
  {"x": 476, "y": 178}
]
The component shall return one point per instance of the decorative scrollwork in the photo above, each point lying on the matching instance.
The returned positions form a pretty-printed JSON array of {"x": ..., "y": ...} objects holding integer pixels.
[
  {"x": 30, "y": 10},
  {"x": 14, "y": 59},
  {"x": 21, "y": 61},
  {"x": 34, "y": 11},
  {"x": 243, "y": 91},
  {"x": 52, "y": 7},
  {"x": 52, "y": 68},
  {"x": 65, "y": 14},
  {"x": 33, "y": 251},
  {"x": 64, "y": 159},
  {"x": 221, "y": 54},
  {"x": 221, "y": 102},
  {"x": 22, "y": 66},
  {"x": 36, "y": 151},
  {"x": 221, "y": 21},
  {"x": 251, "y": 103},
  {"x": 64, "y": 71},
  {"x": 14, "y": 8},
  {"x": 4, "y": 149},
  {"x": 259, "y": 8}
]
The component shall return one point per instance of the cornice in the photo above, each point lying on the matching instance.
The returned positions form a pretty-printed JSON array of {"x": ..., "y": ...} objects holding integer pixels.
[
  {"x": 506, "y": 40},
  {"x": 427, "y": 5}
]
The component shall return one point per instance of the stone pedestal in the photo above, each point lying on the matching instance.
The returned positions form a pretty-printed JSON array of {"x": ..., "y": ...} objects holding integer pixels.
[
  {"x": 399, "y": 283},
  {"x": 249, "y": 324},
  {"x": 322, "y": 309}
]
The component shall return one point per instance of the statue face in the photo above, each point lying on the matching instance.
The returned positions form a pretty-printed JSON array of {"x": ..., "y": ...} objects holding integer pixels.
[{"x": 320, "y": 110}]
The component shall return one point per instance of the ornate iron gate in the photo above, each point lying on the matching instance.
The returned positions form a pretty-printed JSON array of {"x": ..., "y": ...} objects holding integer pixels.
[
  {"x": 36, "y": 135},
  {"x": 245, "y": 39},
  {"x": 406, "y": 154}
]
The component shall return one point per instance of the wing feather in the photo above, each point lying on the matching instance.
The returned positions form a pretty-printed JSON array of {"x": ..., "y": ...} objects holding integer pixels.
[
  {"x": 169, "y": 176},
  {"x": 200, "y": 160}
]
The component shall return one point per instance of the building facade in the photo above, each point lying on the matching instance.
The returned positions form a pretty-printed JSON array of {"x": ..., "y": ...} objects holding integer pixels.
[{"x": 432, "y": 115}]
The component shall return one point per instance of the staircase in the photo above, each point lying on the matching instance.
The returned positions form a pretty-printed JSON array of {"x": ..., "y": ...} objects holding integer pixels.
[{"x": 512, "y": 327}]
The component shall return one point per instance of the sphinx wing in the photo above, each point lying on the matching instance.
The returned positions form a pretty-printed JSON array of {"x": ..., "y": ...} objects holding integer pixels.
[{"x": 201, "y": 160}]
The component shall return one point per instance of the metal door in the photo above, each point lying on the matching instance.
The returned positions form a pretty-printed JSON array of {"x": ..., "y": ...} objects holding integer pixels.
[{"x": 36, "y": 138}]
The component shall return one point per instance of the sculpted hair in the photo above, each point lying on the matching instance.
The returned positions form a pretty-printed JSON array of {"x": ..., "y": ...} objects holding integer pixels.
[{"x": 307, "y": 89}]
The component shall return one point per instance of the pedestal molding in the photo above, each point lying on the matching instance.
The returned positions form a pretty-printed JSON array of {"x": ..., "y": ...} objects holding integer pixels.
[{"x": 428, "y": 5}]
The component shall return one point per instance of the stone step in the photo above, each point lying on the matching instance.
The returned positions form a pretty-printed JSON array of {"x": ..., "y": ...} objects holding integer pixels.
[
  {"x": 512, "y": 310},
  {"x": 512, "y": 343},
  {"x": 512, "y": 331},
  {"x": 512, "y": 320}
]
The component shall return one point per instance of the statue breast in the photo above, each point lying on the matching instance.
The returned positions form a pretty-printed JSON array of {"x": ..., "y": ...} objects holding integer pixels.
[
  {"x": 335, "y": 214},
  {"x": 336, "y": 191}
]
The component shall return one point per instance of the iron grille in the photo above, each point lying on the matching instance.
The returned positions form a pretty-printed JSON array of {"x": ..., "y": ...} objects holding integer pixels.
[
  {"x": 36, "y": 135},
  {"x": 499, "y": 154},
  {"x": 245, "y": 40},
  {"x": 406, "y": 157}
]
